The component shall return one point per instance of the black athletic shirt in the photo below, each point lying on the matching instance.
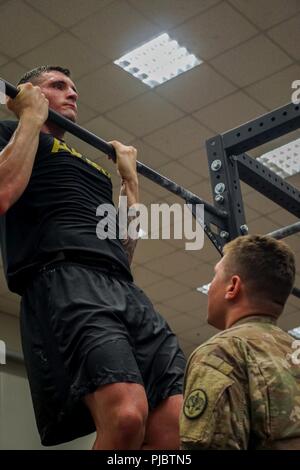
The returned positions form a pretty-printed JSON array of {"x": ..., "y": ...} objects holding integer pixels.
[{"x": 56, "y": 211}]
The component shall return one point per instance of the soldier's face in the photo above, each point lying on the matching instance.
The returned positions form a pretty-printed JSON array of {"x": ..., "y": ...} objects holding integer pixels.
[
  {"x": 216, "y": 297},
  {"x": 61, "y": 93}
]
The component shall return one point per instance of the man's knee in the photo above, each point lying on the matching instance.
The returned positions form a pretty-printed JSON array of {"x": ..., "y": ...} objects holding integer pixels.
[
  {"x": 131, "y": 421},
  {"x": 120, "y": 413}
]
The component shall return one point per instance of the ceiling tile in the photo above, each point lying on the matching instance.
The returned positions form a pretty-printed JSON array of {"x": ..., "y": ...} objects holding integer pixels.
[
  {"x": 201, "y": 274},
  {"x": 85, "y": 113},
  {"x": 283, "y": 217},
  {"x": 200, "y": 313},
  {"x": 184, "y": 322},
  {"x": 107, "y": 130},
  {"x": 196, "y": 162},
  {"x": 167, "y": 312},
  {"x": 294, "y": 244},
  {"x": 145, "y": 114},
  {"x": 178, "y": 173},
  {"x": 287, "y": 35},
  {"x": 196, "y": 88},
  {"x": 147, "y": 250},
  {"x": 199, "y": 336},
  {"x": 149, "y": 155},
  {"x": 250, "y": 214},
  {"x": 260, "y": 203},
  {"x": 251, "y": 61},
  {"x": 213, "y": 32},
  {"x": 146, "y": 197},
  {"x": 179, "y": 137},
  {"x": 230, "y": 112},
  {"x": 172, "y": 264},
  {"x": 169, "y": 13},
  {"x": 12, "y": 72},
  {"x": 295, "y": 300},
  {"x": 288, "y": 309},
  {"x": 154, "y": 188},
  {"x": 188, "y": 301},
  {"x": 287, "y": 322},
  {"x": 246, "y": 189},
  {"x": 144, "y": 277},
  {"x": 164, "y": 289},
  {"x": 207, "y": 254},
  {"x": 262, "y": 226},
  {"x": 295, "y": 179},
  {"x": 116, "y": 29},
  {"x": 186, "y": 347},
  {"x": 267, "y": 13},
  {"x": 276, "y": 90},
  {"x": 67, "y": 51},
  {"x": 17, "y": 20},
  {"x": 203, "y": 190},
  {"x": 3, "y": 59},
  {"x": 108, "y": 87},
  {"x": 68, "y": 12}
]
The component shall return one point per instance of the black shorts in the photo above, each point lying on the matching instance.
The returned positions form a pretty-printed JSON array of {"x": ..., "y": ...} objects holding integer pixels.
[{"x": 82, "y": 328}]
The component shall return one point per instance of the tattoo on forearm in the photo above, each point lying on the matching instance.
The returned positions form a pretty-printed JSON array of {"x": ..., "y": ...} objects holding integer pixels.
[{"x": 128, "y": 243}]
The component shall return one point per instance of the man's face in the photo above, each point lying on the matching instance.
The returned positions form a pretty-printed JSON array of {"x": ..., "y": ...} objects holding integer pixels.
[
  {"x": 216, "y": 296},
  {"x": 61, "y": 93}
]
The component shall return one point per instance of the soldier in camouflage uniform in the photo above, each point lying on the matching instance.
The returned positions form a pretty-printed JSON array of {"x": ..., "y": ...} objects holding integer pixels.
[{"x": 242, "y": 387}]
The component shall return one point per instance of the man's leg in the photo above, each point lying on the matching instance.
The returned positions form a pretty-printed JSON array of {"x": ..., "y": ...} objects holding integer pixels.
[
  {"x": 162, "y": 431},
  {"x": 120, "y": 413}
]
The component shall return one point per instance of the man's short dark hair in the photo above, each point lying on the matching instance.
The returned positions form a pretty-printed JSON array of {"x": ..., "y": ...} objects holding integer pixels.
[
  {"x": 266, "y": 265},
  {"x": 34, "y": 74}
]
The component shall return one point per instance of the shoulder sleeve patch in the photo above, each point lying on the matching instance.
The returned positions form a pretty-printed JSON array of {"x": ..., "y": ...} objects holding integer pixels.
[
  {"x": 195, "y": 404},
  {"x": 205, "y": 385}
]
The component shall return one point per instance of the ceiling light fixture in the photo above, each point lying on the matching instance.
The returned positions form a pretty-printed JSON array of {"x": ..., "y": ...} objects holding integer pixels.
[
  {"x": 204, "y": 289},
  {"x": 158, "y": 61},
  {"x": 284, "y": 161}
]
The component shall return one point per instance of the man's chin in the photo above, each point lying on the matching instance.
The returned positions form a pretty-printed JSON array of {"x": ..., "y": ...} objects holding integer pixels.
[{"x": 71, "y": 116}]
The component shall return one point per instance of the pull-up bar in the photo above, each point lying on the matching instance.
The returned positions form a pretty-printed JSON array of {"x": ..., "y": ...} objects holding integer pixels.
[
  {"x": 108, "y": 149},
  {"x": 217, "y": 216}
]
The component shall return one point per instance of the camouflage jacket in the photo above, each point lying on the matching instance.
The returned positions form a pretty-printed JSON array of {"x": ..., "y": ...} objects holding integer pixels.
[{"x": 242, "y": 390}]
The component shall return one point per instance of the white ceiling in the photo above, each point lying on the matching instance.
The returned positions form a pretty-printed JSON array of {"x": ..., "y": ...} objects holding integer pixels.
[{"x": 251, "y": 53}]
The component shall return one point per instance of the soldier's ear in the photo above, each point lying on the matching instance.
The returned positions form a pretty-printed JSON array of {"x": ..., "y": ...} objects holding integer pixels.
[{"x": 233, "y": 288}]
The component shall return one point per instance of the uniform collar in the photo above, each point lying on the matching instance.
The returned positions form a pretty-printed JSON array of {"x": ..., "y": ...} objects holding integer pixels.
[{"x": 256, "y": 319}]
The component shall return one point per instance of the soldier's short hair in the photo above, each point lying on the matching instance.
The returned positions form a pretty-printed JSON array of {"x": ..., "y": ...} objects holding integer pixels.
[
  {"x": 266, "y": 265},
  {"x": 35, "y": 73}
]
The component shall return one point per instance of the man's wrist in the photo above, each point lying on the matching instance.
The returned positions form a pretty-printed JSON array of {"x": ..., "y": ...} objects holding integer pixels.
[
  {"x": 131, "y": 181},
  {"x": 28, "y": 119}
]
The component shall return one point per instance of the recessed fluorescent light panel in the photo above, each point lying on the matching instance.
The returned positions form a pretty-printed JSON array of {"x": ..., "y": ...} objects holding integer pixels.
[
  {"x": 158, "y": 61},
  {"x": 284, "y": 161},
  {"x": 295, "y": 332},
  {"x": 204, "y": 289}
]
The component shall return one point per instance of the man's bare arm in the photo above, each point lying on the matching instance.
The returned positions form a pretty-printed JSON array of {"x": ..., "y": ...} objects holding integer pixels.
[
  {"x": 17, "y": 158},
  {"x": 126, "y": 166},
  {"x": 130, "y": 190}
]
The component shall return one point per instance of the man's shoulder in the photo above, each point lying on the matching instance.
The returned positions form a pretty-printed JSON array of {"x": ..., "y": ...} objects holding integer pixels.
[
  {"x": 221, "y": 344},
  {"x": 236, "y": 339}
]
